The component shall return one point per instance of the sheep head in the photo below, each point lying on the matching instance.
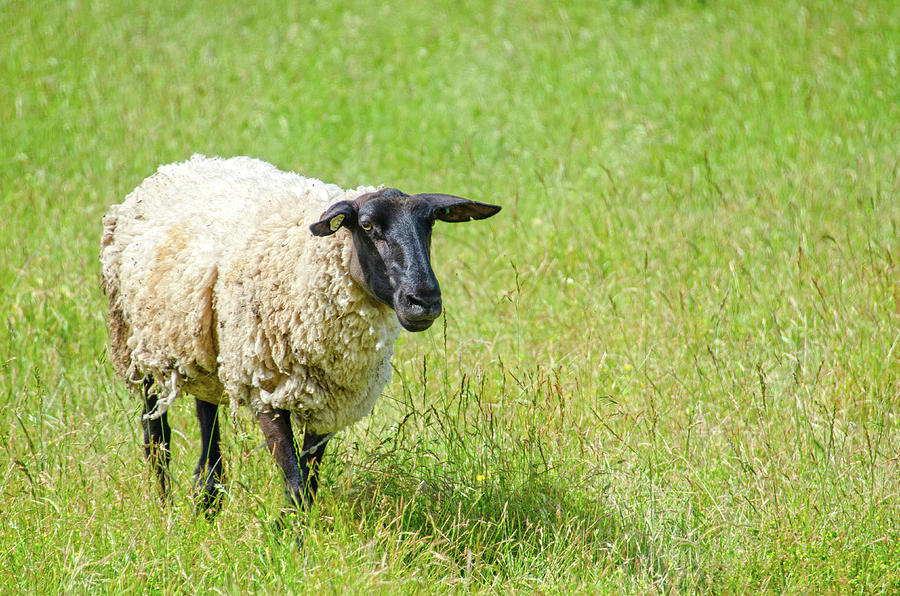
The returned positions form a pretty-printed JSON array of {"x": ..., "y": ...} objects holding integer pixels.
[{"x": 392, "y": 246}]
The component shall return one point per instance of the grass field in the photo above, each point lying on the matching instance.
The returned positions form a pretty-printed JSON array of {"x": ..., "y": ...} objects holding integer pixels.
[{"x": 670, "y": 364}]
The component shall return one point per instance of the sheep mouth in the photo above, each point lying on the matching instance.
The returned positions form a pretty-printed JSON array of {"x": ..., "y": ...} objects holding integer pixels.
[
  {"x": 419, "y": 321},
  {"x": 416, "y": 326}
]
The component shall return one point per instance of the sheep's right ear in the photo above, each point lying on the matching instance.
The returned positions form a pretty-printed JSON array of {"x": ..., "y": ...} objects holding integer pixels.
[{"x": 342, "y": 213}]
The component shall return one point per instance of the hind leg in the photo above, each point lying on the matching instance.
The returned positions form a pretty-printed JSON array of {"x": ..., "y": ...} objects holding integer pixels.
[
  {"x": 157, "y": 436},
  {"x": 208, "y": 475}
]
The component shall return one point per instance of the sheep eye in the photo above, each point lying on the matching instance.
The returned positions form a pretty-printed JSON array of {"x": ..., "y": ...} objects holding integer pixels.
[{"x": 366, "y": 226}]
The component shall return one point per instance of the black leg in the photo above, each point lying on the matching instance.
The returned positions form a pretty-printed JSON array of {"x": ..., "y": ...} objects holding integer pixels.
[
  {"x": 276, "y": 426},
  {"x": 208, "y": 475},
  {"x": 310, "y": 456},
  {"x": 157, "y": 436},
  {"x": 300, "y": 481}
]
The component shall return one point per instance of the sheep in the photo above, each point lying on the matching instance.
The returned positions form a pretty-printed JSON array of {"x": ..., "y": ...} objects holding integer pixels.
[{"x": 216, "y": 290}]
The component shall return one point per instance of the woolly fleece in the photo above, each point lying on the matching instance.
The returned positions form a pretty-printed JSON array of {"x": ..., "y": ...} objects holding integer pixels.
[{"x": 217, "y": 288}]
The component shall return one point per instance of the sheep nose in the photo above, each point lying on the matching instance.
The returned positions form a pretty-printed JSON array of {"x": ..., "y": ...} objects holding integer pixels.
[{"x": 423, "y": 304}]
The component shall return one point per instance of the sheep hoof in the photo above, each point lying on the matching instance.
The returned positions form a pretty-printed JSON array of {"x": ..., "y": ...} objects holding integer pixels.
[
  {"x": 289, "y": 523},
  {"x": 208, "y": 497},
  {"x": 209, "y": 504}
]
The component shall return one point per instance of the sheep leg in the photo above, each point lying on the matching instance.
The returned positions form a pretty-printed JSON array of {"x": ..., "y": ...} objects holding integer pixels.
[
  {"x": 208, "y": 475},
  {"x": 310, "y": 456},
  {"x": 157, "y": 436},
  {"x": 276, "y": 426}
]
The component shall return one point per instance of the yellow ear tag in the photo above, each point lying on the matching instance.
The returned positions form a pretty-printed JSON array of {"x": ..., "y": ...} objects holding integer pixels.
[{"x": 335, "y": 222}]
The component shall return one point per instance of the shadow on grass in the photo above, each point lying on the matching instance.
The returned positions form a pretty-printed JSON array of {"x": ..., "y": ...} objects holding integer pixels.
[
  {"x": 490, "y": 527},
  {"x": 495, "y": 475}
]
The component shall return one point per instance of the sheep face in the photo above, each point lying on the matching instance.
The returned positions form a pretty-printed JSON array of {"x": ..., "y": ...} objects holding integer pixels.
[{"x": 392, "y": 246}]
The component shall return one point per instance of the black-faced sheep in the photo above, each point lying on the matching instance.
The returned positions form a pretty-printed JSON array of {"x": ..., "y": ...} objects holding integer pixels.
[{"x": 217, "y": 289}]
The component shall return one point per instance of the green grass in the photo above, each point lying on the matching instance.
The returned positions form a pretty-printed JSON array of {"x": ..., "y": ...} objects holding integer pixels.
[{"x": 670, "y": 364}]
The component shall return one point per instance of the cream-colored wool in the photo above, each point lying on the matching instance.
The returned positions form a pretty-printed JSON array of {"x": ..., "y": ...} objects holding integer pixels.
[{"x": 217, "y": 288}]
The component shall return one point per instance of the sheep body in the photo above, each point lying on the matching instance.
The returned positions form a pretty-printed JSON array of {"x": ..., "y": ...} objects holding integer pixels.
[{"x": 217, "y": 288}]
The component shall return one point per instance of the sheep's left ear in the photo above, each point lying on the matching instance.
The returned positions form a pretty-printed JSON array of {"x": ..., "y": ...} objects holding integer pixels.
[
  {"x": 342, "y": 213},
  {"x": 455, "y": 209}
]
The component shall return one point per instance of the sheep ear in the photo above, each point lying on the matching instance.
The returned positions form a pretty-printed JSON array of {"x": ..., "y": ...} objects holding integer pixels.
[
  {"x": 456, "y": 209},
  {"x": 342, "y": 213}
]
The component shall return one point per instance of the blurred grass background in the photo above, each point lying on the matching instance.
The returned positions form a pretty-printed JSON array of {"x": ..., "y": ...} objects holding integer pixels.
[{"x": 669, "y": 364}]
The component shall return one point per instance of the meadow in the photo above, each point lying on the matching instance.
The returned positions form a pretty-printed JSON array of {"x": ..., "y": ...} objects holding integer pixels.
[{"x": 670, "y": 364}]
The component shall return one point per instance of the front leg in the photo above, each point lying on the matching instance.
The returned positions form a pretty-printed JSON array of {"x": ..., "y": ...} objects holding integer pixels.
[
  {"x": 310, "y": 457},
  {"x": 276, "y": 426}
]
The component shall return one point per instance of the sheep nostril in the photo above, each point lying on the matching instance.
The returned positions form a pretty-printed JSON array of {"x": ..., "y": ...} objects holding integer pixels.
[{"x": 428, "y": 303}]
